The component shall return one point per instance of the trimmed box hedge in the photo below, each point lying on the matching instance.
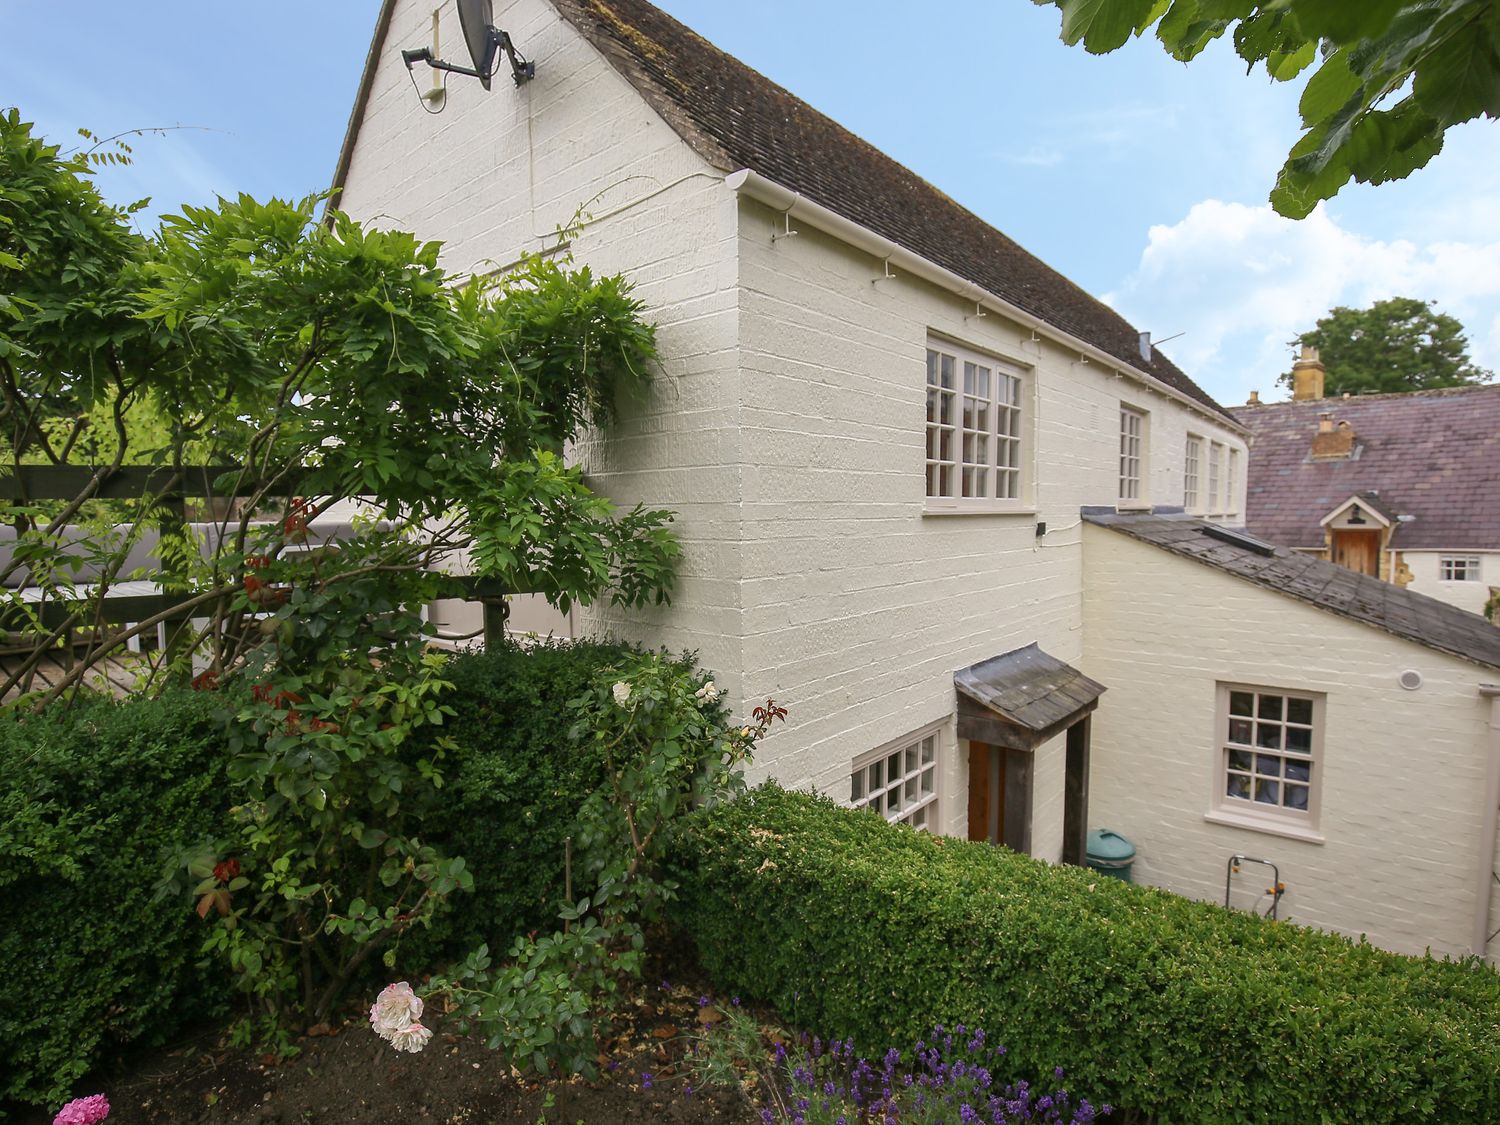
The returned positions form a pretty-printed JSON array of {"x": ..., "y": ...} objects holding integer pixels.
[
  {"x": 91, "y": 800},
  {"x": 514, "y": 783},
  {"x": 855, "y": 927}
]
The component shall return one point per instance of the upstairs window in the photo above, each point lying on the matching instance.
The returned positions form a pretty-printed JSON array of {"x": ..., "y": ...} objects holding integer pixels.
[
  {"x": 1231, "y": 483},
  {"x": 1192, "y": 497},
  {"x": 974, "y": 434},
  {"x": 1458, "y": 568},
  {"x": 1132, "y": 454},
  {"x": 1215, "y": 478}
]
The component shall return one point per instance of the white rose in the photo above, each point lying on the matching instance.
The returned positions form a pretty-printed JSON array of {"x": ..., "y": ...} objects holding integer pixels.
[
  {"x": 708, "y": 692},
  {"x": 395, "y": 1009},
  {"x": 411, "y": 1038},
  {"x": 622, "y": 692}
]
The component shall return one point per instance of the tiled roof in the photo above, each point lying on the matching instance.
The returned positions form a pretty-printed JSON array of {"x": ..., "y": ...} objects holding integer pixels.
[
  {"x": 1029, "y": 687},
  {"x": 1432, "y": 455},
  {"x": 737, "y": 118},
  {"x": 1337, "y": 589}
]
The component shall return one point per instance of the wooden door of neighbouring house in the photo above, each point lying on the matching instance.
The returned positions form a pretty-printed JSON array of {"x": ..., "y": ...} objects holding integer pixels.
[{"x": 1358, "y": 550}]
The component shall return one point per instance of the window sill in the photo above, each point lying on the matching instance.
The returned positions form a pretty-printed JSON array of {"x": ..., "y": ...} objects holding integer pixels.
[
  {"x": 1132, "y": 506},
  {"x": 1269, "y": 825},
  {"x": 979, "y": 510}
]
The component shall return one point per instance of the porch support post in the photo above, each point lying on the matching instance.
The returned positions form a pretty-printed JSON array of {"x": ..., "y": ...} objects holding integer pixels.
[{"x": 1076, "y": 794}]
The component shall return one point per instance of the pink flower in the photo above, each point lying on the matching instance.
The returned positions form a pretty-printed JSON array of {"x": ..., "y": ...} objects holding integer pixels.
[
  {"x": 83, "y": 1111},
  {"x": 413, "y": 1037},
  {"x": 395, "y": 1009}
]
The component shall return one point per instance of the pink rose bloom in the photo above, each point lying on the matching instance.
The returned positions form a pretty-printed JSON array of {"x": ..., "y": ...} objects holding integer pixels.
[
  {"x": 83, "y": 1111},
  {"x": 395, "y": 1009},
  {"x": 411, "y": 1038}
]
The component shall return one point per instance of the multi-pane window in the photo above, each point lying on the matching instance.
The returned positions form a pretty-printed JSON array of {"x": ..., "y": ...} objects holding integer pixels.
[
  {"x": 1458, "y": 568},
  {"x": 900, "y": 782},
  {"x": 1267, "y": 748},
  {"x": 1191, "y": 462},
  {"x": 1215, "y": 474},
  {"x": 974, "y": 435},
  {"x": 1132, "y": 448},
  {"x": 1231, "y": 482}
]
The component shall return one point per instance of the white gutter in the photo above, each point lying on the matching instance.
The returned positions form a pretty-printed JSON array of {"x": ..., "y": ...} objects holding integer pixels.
[
  {"x": 1484, "y": 872},
  {"x": 797, "y": 206}
]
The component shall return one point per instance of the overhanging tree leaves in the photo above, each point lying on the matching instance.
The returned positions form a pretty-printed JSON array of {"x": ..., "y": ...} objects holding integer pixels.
[
  {"x": 1391, "y": 77},
  {"x": 1393, "y": 346}
]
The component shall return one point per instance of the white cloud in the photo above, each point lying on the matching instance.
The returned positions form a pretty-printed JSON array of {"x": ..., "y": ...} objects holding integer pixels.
[{"x": 1241, "y": 281}]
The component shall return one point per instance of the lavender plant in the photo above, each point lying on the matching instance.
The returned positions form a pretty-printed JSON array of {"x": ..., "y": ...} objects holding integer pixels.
[{"x": 948, "y": 1078}]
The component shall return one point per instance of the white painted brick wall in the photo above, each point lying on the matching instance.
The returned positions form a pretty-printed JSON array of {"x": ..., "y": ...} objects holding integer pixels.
[
  {"x": 1402, "y": 772},
  {"x": 1426, "y": 578},
  {"x": 858, "y": 608},
  {"x": 788, "y": 429}
]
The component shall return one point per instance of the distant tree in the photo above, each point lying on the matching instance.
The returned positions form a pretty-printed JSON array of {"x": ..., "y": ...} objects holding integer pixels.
[
  {"x": 1402, "y": 344},
  {"x": 1391, "y": 76}
]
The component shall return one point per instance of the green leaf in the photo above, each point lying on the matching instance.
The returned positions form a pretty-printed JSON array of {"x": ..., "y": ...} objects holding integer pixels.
[
  {"x": 1459, "y": 79},
  {"x": 1329, "y": 89},
  {"x": 1344, "y": 20},
  {"x": 1283, "y": 65},
  {"x": 1104, "y": 25}
]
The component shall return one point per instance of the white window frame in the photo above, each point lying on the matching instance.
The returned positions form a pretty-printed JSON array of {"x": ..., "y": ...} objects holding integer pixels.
[
  {"x": 1215, "y": 478},
  {"x": 914, "y": 797},
  {"x": 1460, "y": 568},
  {"x": 1262, "y": 753},
  {"x": 977, "y": 432},
  {"x": 1135, "y": 438},
  {"x": 1192, "y": 474},
  {"x": 1231, "y": 481}
]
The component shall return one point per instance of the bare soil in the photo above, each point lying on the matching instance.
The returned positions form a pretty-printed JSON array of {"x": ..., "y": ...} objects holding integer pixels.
[{"x": 350, "y": 1075}]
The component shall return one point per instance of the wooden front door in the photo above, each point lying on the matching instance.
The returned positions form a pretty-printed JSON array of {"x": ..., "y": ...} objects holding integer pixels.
[
  {"x": 986, "y": 793},
  {"x": 1358, "y": 550}
]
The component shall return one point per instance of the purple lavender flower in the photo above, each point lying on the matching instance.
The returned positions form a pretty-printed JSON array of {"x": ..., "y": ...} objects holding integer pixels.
[{"x": 645, "y": 1080}]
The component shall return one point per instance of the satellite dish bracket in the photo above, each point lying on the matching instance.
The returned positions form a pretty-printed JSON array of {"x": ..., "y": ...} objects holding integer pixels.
[{"x": 522, "y": 70}]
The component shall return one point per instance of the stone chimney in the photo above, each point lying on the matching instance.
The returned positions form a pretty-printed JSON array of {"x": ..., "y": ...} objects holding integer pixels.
[
  {"x": 1307, "y": 375},
  {"x": 1332, "y": 443},
  {"x": 1254, "y": 399}
]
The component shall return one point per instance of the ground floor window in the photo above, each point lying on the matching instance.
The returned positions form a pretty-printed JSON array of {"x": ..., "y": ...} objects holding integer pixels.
[
  {"x": 1269, "y": 741},
  {"x": 1458, "y": 568},
  {"x": 899, "y": 780}
]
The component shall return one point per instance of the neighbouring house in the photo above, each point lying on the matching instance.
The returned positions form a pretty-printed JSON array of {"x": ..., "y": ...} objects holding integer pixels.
[
  {"x": 936, "y": 498},
  {"x": 1402, "y": 486}
]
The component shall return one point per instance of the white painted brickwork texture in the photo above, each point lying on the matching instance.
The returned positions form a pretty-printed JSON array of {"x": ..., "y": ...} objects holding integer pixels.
[{"x": 1402, "y": 772}]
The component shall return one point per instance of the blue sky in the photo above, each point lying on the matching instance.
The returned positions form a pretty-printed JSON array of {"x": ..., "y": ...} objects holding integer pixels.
[{"x": 1141, "y": 179}]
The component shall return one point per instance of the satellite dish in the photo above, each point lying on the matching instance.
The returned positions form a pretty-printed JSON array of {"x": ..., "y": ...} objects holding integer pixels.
[
  {"x": 477, "y": 18},
  {"x": 484, "y": 41}
]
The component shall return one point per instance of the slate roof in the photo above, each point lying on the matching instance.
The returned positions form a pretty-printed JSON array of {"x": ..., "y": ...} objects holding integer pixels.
[
  {"x": 1433, "y": 455},
  {"x": 1029, "y": 687},
  {"x": 1337, "y": 589},
  {"x": 736, "y": 118}
]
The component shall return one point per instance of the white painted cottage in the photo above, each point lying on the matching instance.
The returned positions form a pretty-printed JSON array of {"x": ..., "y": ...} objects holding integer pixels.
[{"x": 915, "y": 471}]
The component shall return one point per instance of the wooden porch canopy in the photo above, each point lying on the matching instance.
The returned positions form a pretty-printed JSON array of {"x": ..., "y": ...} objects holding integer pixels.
[
  {"x": 1022, "y": 698},
  {"x": 1007, "y": 707}
]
